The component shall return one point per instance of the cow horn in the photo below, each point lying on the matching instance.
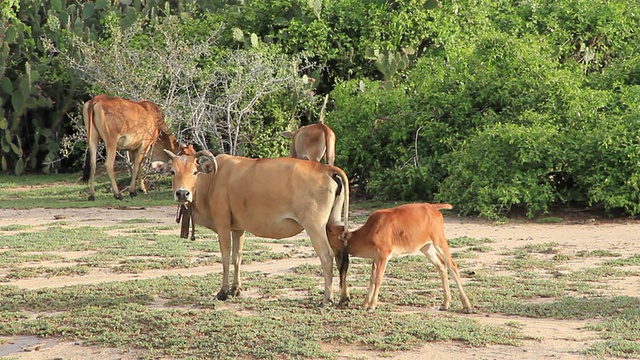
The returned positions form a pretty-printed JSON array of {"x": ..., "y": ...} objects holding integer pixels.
[
  {"x": 171, "y": 155},
  {"x": 207, "y": 154}
]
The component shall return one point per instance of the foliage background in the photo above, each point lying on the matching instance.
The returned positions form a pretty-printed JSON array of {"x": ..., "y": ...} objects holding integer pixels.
[{"x": 493, "y": 106}]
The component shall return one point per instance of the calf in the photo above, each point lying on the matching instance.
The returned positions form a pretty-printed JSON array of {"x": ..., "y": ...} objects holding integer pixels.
[
  {"x": 313, "y": 142},
  {"x": 392, "y": 232}
]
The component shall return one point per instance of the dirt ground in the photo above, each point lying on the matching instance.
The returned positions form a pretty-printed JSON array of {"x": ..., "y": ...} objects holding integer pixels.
[{"x": 559, "y": 339}]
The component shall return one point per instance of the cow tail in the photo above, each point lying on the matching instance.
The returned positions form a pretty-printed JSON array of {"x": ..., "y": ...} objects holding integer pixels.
[
  {"x": 343, "y": 185},
  {"x": 344, "y": 263},
  {"x": 87, "y": 113},
  {"x": 330, "y": 146}
]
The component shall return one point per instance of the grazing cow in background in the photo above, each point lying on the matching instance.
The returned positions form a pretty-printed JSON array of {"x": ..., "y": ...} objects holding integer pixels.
[
  {"x": 392, "y": 232},
  {"x": 271, "y": 198},
  {"x": 125, "y": 125},
  {"x": 313, "y": 142}
]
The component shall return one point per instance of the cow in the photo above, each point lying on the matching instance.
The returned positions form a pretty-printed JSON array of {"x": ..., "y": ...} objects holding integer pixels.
[
  {"x": 271, "y": 198},
  {"x": 125, "y": 125},
  {"x": 393, "y": 232},
  {"x": 313, "y": 142}
]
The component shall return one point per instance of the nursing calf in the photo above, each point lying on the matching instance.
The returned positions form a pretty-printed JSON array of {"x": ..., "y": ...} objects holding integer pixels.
[{"x": 392, "y": 232}]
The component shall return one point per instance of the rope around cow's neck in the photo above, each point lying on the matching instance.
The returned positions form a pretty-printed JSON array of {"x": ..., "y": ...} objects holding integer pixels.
[{"x": 185, "y": 220}]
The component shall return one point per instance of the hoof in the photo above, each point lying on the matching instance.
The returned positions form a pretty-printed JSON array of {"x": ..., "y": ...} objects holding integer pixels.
[
  {"x": 323, "y": 305},
  {"x": 133, "y": 194},
  {"x": 92, "y": 198},
  {"x": 344, "y": 301},
  {"x": 118, "y": 197},
  {"x": 468, "y": 310},
  {"x": 235, "y": 291},
  {"x": 222, "y": 295},
  {"x": 444, "y": 308}
]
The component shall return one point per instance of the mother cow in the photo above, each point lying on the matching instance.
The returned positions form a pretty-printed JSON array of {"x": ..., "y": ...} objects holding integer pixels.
[{"x": 271, "y": 198}]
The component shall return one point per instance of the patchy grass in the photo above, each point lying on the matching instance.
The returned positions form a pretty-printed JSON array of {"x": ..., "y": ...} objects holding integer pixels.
[
  {"x": 64, "y": 191},
  {"x": 463, "y": 241},
  {"x": 277, "y": 315}
]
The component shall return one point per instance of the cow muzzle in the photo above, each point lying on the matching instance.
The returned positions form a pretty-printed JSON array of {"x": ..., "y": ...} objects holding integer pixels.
[{"x": 183, "y": 196}]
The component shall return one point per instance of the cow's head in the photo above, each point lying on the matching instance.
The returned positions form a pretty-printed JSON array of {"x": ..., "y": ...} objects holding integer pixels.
[{"x": 184, "y": 170}]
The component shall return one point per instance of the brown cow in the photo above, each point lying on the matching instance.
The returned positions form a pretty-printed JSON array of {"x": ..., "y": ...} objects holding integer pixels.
[
  {"x": 392, "y": 232},
  {"x": 124, "y": 125},
  {"x": 271, "y": 198},
  {"x": 313, "y": 142}
]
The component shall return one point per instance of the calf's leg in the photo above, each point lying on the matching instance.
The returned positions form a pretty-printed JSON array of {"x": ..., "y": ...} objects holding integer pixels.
[{"x": 376, "y": 281}]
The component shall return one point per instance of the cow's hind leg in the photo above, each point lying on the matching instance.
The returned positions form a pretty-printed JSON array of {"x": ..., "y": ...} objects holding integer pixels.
[
  {"x": 321, "y": 245},
  {"x": 110, "y": 162},
  {"x": 93, "y": 149},
  {"x": 343, "y": 267},
  {"x": 431, "y": 253},
  {"x": 236, "y": 259}
]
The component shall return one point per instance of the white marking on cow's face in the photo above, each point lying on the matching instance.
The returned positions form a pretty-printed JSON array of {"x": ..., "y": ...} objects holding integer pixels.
[{"x": 184, "y": 174}]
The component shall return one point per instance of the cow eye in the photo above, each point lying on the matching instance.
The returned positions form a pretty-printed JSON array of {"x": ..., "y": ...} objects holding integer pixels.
[
  {"x": 172, "y": 172},
  {"x": 195, "y": 172}
]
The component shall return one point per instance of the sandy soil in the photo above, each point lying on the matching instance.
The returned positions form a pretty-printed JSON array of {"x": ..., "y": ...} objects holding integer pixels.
[{"x": 559, "y": 339}]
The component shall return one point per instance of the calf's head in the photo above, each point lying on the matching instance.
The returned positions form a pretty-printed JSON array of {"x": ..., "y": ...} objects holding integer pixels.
[
  {"x": 184, "y": 171},
  {"x": 337, "y": 237}
]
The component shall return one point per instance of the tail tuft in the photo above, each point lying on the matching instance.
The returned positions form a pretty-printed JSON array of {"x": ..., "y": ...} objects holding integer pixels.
[
  {"x": 86, "y": 170},
  {"x": 443, "y": 206}
]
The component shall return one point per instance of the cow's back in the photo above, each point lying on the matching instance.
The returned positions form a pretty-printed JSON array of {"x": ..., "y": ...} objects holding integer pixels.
[{"x": 269, "y": 197}]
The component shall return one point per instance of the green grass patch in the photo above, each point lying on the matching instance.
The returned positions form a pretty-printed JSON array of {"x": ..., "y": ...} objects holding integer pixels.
[
  {"x": 542, "y": 248},
  {"x": 629, "y": 261},
  {"x": 549, "y": 220},
  {"x": 467, "y": 241},
  {"x": 64, "y": 191},
  {"x": 15, "y": 227},
  {"x": 120, "y": 315}
]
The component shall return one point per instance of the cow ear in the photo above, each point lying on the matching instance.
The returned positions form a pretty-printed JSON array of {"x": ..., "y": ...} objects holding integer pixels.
[
  {"x": 161, "y": 167},
  {"x": 207, "y": 167},
  {"x": 287, "y": 134}
]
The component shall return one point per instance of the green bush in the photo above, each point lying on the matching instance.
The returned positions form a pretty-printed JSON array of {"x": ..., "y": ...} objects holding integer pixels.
[{"x": 503, "y": 166}]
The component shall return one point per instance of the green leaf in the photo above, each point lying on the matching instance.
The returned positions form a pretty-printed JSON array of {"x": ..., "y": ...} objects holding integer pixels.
[
  {"x": 16, "y": 149},
  {"x": 10, "y": 33},
  {"x": 254, "y": 40},
  {"x": 431, "y": 4},
  {"x": 17, "y": 101},
  {"x": 3, "y": 123},
  {"x": 101, "y": 4},
  {"x": 87, "y": 10},
  {"x": 19, "y": 167},
  {"x": 56, "y": 5},
  {"x": 237, "y": 34},
  {"x": 5, "y": 145},
  {"x": 4, "y": 163},
  {"x": 35, "y": 75},
  {"x": 7, "y": 86}
]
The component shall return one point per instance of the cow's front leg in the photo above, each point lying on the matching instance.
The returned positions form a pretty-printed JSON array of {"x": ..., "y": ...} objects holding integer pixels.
[
  {"x": 236, "y": 258},
  {"x": 225, "y": 248}
]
